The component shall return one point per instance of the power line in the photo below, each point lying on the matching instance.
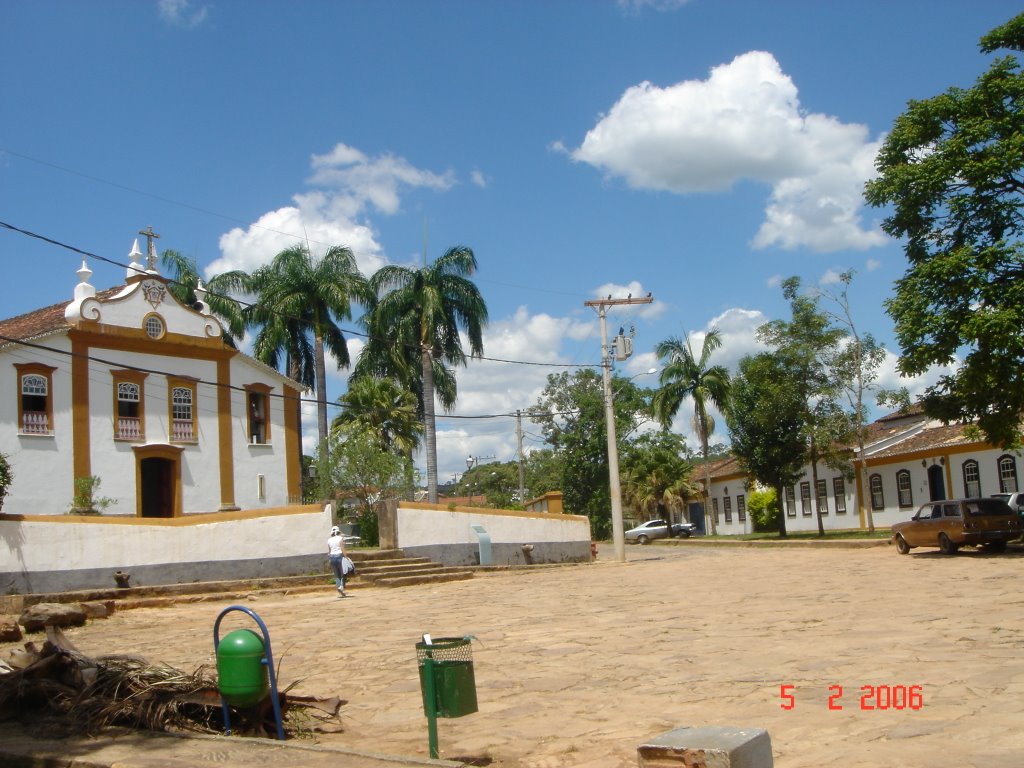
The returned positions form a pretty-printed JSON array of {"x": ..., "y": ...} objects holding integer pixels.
[
  {"x": 156, "y": 371},
  {"x": 246, "y": 304}
]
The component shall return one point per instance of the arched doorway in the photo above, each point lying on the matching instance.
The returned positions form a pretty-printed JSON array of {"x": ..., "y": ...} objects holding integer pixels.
[
  {"x": 936, "y": 483},
  {"x": 158, "y": 480}
]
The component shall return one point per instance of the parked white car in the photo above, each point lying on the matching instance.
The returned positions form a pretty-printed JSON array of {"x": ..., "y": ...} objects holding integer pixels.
[
  {"x": 658, "y": 529},
  {"x": 1015, "y": 500}
]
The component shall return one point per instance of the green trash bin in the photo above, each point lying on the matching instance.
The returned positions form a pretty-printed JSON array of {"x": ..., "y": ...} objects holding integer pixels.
[{"x": 450, "y": 659}]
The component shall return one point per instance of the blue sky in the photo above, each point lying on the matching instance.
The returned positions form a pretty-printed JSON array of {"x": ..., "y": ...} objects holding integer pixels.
[{"x": 700, "y": 151}]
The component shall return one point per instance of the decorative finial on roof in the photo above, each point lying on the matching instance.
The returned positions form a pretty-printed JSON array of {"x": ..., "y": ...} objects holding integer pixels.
[
  {"x": 84, "y": 273},
  {"x": 150, "y": 248},
  {"x": 83, "y": 291},
  {"x": 201, "y": 297},
  {"x": 135, "y": 267}
]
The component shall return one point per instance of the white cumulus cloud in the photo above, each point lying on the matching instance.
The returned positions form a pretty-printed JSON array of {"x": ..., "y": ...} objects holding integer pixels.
[
  {"x": 744, "y": 122},
  {"x": 182, "y": 13},
  {"x": 347, "y": 185}
]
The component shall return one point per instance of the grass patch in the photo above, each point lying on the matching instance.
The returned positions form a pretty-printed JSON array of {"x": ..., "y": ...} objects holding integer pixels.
[{"x": 879, "y": 533}]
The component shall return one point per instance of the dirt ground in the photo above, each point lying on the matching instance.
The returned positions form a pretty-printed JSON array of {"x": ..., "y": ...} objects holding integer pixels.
[{"x": 577, "y": 665}]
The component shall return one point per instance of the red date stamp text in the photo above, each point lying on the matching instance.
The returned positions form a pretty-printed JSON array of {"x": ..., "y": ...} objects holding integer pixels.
[{"x": 871, "y": 697}]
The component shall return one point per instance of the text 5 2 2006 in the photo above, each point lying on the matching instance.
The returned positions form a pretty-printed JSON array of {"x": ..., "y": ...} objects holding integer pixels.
[{"x": 869, "y": 697}]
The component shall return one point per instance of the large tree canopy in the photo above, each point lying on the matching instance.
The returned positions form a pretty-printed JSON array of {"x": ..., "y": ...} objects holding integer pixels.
[
  {"x": 687, "y": 375},
  {"x": 422, "y": 311},
  {"x": 951, "y": 169},
  {"x": 766, "y": 421},
  {"x": 571, "y": 414}
]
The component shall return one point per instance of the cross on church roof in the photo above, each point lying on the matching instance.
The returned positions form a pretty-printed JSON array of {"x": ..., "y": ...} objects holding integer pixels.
[{"x": 150, "y": 248}]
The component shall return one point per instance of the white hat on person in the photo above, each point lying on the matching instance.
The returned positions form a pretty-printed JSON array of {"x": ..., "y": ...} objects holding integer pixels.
[{"x": 335, "y": 531}]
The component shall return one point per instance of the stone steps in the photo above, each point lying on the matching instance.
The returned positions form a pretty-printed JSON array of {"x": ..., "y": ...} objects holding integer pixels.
[
  {"x": 390, "y": 568},
  {"x": 374, "y": 568}
]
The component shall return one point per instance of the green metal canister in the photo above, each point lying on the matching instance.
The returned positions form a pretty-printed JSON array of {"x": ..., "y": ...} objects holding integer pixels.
[
  {"x": 241, "y": 669},
  {"x": 448, "y": 661}
]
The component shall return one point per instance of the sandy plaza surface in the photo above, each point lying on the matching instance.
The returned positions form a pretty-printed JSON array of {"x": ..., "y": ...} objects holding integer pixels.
[{"x": 847, "y": 657}]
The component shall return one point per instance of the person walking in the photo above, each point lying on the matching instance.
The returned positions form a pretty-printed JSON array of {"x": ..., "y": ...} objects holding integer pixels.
[{"x": 336, "y": 554}]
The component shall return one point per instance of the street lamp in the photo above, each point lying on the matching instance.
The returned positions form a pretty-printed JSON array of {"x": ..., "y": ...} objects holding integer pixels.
[
  {"x": 470, "y": 462},
  {"x": 614, "y": 486}
]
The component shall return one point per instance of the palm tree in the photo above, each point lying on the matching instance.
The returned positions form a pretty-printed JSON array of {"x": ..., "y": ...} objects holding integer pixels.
[
  {"x": 298, "y": 296},
  {"x": 656, "y": 476},
  {"x": 685, "y": 375},
  {"x": 186, "y": 284},
  {"x": 383, "y": 408},
  {"x": 426, "y": 308}
]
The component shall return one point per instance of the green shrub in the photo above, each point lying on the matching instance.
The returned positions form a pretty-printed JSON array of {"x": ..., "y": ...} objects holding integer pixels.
[
  {"x": 764, "y": 510},
  {"x": 6, "y": 477},
  {"x": 86, "y": 502}
]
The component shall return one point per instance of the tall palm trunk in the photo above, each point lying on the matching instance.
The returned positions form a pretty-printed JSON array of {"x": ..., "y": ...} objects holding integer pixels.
[
  {"x": 429, "y": 433},
  {"x": 321, "y": 387},
  {"x": 702, "y": 432},
  {"x": 708, "y": 514}
]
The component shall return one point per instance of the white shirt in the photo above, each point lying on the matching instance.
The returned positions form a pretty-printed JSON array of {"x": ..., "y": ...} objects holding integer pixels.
[{"x": 336, "y": 545}]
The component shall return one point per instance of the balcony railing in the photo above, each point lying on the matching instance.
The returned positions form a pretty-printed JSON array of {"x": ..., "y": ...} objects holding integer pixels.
[
  {"x": 182, "y": 431},
  {"x": 129, "y": 428},
  {"x": 35, "y": 423}
]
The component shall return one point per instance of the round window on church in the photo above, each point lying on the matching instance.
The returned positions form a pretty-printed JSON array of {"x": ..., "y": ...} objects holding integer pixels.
[{"x": 154, "y": 327}]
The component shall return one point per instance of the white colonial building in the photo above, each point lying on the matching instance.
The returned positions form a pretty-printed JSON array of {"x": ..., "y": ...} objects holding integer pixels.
[
  {"x": 908, "y": 460},
  {"x": 131, "y": 387}
]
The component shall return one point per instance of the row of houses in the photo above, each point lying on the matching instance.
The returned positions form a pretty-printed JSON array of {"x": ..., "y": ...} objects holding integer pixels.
[
  {"x": 130, "y": 386},
  {"x": 908, "y": 460}
]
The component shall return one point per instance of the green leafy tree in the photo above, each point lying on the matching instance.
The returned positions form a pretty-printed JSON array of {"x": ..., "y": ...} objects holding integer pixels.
[
  {"x": 298, "y": 296},
  {"x": 571, "y": 414},
  {"x": 855, "y": 368},
  {"x": 6, "y": 477},
  {"x": 952, "y": 170},
  {"x": 354, "y": 470},
  {"x": 808, "y": 344},
  {"x": 686, "y": 375},
  {"x": 383, "y": 408},
  {"x": 656, "y": 475},
  {"x": 424, "y": 309},
  {"x": 766, "y": 422},
  {"x": 496, "y": 482},
  {"x": 764, "y": 509},
  {"x": 543, "y": 473}
]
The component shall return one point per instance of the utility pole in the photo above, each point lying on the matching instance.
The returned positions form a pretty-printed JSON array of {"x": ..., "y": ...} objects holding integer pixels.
[
  {"x": 519, "y": 454},
  {"x": 623, "y": 349}
]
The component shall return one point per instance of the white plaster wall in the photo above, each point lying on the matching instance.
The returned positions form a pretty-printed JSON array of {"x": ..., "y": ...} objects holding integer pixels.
[
  {"x": 427, "y": 527},
  {"x": 129, "y": 307},
  {"x": 81, "y": 544},
  {"x": 41, "y": 464},
  {"x": 269, "y": 460},
  {"x": 114, "y": 461}
]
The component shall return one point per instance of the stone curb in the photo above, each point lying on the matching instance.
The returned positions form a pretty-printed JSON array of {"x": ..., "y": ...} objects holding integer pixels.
[
  {"x": 825, "y": 543},
  {"x": 126, "y": 748}
]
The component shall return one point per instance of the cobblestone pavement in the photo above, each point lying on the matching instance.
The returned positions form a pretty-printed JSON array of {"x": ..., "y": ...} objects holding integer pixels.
[{"x": 904, "y": 661}]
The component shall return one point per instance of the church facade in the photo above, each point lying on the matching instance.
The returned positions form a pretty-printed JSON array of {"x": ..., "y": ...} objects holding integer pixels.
[{"x": 133, "y": 389}]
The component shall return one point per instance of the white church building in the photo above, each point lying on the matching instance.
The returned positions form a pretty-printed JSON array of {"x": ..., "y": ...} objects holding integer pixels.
[{"x": 131, "y": 387}]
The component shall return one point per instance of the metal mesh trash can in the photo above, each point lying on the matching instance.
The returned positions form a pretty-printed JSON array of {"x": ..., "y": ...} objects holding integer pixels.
[{"x": 449, "y": 661}]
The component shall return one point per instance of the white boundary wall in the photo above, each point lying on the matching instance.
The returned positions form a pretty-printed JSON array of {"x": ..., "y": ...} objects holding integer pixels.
[
  {"x": 445, "y": 534},
  {"x": 69, "y": 552}
]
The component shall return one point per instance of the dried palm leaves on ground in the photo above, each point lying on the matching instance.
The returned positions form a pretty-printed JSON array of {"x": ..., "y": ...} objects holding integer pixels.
[{"x": 62, "y": 687}]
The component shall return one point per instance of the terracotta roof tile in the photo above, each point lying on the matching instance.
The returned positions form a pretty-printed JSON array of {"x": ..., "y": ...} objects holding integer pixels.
[
  {"x": 930, "y": 438},
  {"x": 42, "y": 322}
]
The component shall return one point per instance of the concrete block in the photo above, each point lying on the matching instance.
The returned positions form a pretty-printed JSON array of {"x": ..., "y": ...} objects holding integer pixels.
[{"x": 708, "y": 747}]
